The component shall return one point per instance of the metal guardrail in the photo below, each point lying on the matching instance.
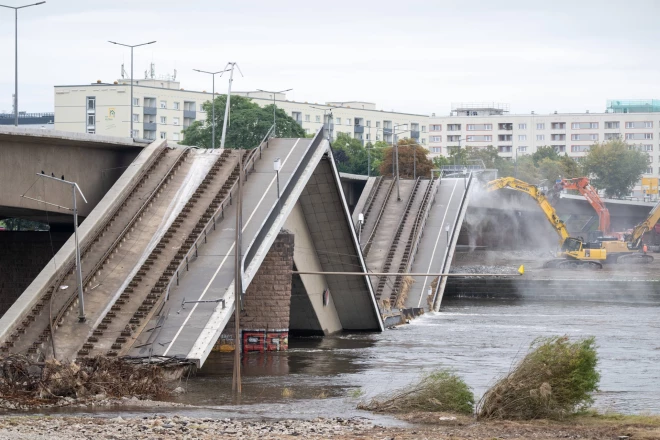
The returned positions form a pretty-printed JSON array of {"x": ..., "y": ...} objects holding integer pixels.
[{"x": 372, "y": 195}]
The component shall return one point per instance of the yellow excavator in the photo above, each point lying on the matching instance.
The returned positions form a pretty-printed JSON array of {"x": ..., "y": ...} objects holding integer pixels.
[{"x": 575, "y": 252}]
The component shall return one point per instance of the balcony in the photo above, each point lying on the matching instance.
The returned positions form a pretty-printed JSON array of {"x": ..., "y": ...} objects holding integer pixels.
[
  {"x": 149, "y": 126},
  {"x": 359, "y": 129},
  {"x": 149, "y": 110},
  {"x": 190, "y": 114},
  {"x": 414, "y": 134}
]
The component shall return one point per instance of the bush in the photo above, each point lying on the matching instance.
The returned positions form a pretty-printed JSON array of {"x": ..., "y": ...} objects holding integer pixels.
[
  {"x": 439, "y": 391},
  {"x": 555, "y": 379}
]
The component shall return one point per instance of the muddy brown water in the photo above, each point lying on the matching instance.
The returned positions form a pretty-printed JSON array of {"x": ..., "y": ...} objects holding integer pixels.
[{"x": 479, "y": 339}]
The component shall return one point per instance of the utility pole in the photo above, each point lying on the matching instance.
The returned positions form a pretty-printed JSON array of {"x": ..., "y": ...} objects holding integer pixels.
[
  {"x": 74, "y": 188},
  {"x": 16, "y": 8},
  {"x": 132, "y": 47},
  {"x": 212, "y": 103},
  {"x": 274, "y": 118},
  {"x": 231, "y": 80},
  {"x": 238, "y": 280}
]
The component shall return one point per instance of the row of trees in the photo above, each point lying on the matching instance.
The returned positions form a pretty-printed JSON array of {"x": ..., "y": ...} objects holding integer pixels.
[{"x": 613, "y": 166}]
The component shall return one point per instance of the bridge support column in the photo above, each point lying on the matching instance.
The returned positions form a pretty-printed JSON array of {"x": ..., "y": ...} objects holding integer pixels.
[{"x": 266, "y": 305}]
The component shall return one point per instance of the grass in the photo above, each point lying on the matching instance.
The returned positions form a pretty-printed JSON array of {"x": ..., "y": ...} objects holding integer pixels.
[
  {"x": 555, "y": 379},
  {"x": 439, "y": 391}
]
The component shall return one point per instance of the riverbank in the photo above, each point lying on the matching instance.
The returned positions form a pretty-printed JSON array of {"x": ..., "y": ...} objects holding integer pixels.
[{"x": 420, "y": 425}]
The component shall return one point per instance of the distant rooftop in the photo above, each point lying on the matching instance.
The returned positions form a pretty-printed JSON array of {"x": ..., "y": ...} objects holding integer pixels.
[
  {"x": 633, "y": 105},
  {"x": 478, "y": 108}
]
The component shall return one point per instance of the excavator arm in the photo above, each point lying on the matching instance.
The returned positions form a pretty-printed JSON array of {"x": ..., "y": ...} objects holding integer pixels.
[
  {"x": 645, "y": 226},
  {"x": 581, "y": 184},
  {"x": 539, "y": 197}
]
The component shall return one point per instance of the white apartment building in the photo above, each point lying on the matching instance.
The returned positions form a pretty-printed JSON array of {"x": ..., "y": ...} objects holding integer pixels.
[
  {"x": 162, "y": 109},
  {"x": 481, "y": 125}
]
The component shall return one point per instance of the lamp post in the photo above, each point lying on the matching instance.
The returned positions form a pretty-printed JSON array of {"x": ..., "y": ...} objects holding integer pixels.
[
  {"x": 74, "y": 188},
  {"x": 274, "y": 118},
  {"x": 132, "y": 47},
  {"x": 224, "y": 123},
  {"x": 16, "y": 8},
  {"x": 327, "y": 112},
  {"x": 212, "y": 102},
  {"x": 277, "y": 165}
]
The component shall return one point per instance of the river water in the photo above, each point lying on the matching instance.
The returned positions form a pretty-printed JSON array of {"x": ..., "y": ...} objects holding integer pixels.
[{"x": 479, "y": 339}]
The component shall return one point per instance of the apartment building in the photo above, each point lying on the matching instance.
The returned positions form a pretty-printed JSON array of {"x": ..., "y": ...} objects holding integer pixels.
[
  {"x": 480, "y": 125},
  {"x": 162, "y": 109}
]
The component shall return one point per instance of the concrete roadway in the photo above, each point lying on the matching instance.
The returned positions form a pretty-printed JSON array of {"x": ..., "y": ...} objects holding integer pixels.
[
  {"x": 213, "y": 271},
  {"x": 432, "y": 247}
]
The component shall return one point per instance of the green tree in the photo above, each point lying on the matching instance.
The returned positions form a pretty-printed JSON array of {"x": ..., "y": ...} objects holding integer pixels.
[
  {"x": 413, "y": 159},
  {"x": 247, "y": 125},
  {"x": 546, "y": 152},
  {"x": 615, "y": 167},
  {"x": 352, "y": 157}
]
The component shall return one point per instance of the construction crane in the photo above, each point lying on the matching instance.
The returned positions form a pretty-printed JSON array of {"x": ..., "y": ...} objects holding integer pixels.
[
  {"x": 581, "y": 184},
  {"x": 574, "y": 252}
]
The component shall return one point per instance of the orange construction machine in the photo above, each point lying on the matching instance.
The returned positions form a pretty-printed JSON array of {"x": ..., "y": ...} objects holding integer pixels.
[{"x": 581, "y": 184}]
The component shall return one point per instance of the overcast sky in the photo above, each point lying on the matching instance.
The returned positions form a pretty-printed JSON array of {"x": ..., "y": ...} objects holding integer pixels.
[{"x": 413, "y": 56}]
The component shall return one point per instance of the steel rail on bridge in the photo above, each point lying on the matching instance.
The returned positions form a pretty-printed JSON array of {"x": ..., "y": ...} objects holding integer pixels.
[{"x": 521, "y": 271}]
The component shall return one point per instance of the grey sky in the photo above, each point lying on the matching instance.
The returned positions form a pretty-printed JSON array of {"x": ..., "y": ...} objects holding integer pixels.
[{"x": 415, "y": 56}]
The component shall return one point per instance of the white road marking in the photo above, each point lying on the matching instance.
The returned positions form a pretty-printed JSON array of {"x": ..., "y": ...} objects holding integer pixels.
[
  {"x": 226, "y": 256},
  {"x": 435, "y": 247}
]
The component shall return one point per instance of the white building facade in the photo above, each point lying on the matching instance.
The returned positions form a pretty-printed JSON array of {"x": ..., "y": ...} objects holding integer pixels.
[
  {"x": 162, "y": 109},
  {"x": 571, "y": 133}
]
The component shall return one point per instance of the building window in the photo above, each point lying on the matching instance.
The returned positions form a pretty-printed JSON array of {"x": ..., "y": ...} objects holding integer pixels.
[
  {"x": 318, "y": 118},
  {"x": 436, "y": 127},
  {"x": 348, "y": 121},
  {"x": 176, "y": 106},
  {"x": 639, "y": 124},
  {"x": 639, "y": 136},
  {"x": 522, "y": 126},
  {"x": 479, "y": 127},
  {"x": 338, "y": 121},
  {"x": 453, "y": 138},
  {"x": 436, "y": 139},
  {"x": 423, "y": 128},
  {"x": 175, "y": 136},
  {"x": 91, "y": 103},
  {"x": 504, "y": 148},
  {"x": 368, "y": 136},
  {"x": 504, "y": 138},
  {"x": 423, "y": 141},
  {"x": 610, "y": 136},
  {"x": 611, "y": 125},
  {"x": 377, "y": 124},
  {"x": 175, "y": 121},
  {"x": 163, "y": 135},
  {"x": 136, "y": 102},
  {"x": 558, "y": 137},
  {"x": 136, "y": 133},
  {"x": 647, "y": 147},
  {"x": 453, "y": 127},
  {"x": 558, "y": 125},
  {"x": 201, "y": 107},
  {"x": 505, "y": 126},
  {"x": 649, "y": 170},
  {"x": 163, "y": 120},
  {"x": 540, "y": 137},
  {"x": 580, "y": 148},
  {"x": 163, "y": 104},
  {"x": 435, "y": 150},
  {"x": 482, "y": 138},
  {"x": 540, "y": 126},
  {"x": 559, "y": 148},
  {"x": 584, "y": 137},
  {"x": 522, "y": 149},
  {"x": 136, "y": 117},
  {"x": 522, "y": 137},
  {"x": 91, "y": 120},
  {"x": 583, "y": 125},
  {"x": 307, "y": 118}
]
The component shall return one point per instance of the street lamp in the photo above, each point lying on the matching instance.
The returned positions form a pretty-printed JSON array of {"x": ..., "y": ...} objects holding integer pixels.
[
  {"x": 131, "y": 46},
  {"x": 212, "y": 102},
  {"x": 231, "y": 80},
  {"x": 327, "y": 112},
  {"x": 16, "y": 8},
  {"x": 274, "y": 120}
]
